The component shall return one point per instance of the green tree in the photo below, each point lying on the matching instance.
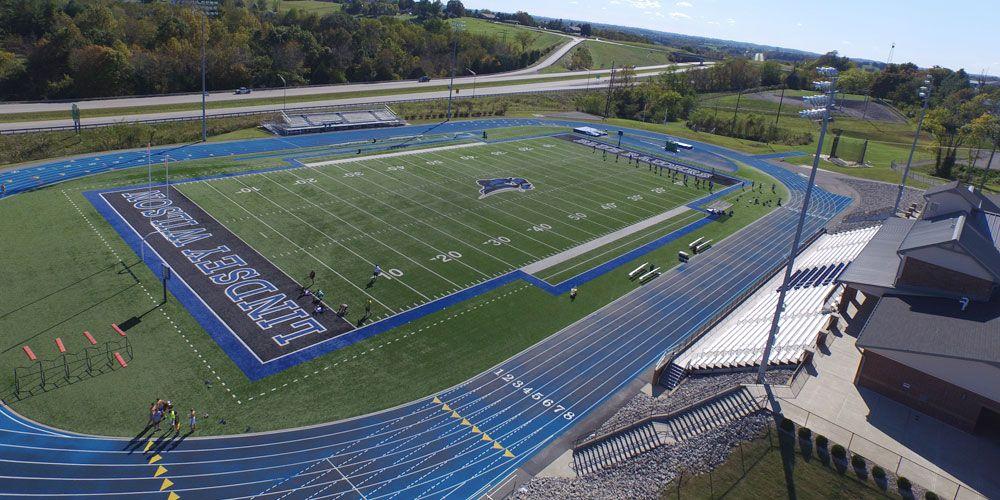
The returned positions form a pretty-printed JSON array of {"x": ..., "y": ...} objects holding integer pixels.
[
  {"x": 454, "y": 8},
  {"x": 99, "y": 71},
  {"x": 581, "y": 59}
]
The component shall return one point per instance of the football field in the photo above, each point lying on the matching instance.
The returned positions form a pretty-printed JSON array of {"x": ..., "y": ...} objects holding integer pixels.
[{"x": 438, "y": 220}]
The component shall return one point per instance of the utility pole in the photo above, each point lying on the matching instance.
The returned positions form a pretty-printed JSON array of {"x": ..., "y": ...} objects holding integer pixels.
[
  {"x": 611, "y": 84},
  {"x": 925, "y": 94},
  {"x": 830, "y": 89},
  {"x": 739, "y": 94},
  {"x": 284, "y": 92},
  {"x": 451, "y": 86},
  {"x": 780, "y": 100},
  {"x": 204, "y": 119}
]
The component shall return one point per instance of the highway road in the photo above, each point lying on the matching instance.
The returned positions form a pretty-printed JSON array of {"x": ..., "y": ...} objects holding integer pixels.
[{"x": 483, "y": 86}]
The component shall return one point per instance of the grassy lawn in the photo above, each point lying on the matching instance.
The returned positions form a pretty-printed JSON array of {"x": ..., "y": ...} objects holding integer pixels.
[
  {"x": 541, "y": 41},
  {"x": 246, "y": 133},
  {"x": 308, "y": 6},
  {"x": 604, "y": 54},
  {"x": 66, "y": 272},
  {"x": 757, "y": 471}
]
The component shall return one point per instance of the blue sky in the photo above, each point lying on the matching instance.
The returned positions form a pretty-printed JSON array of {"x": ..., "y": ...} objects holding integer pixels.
[{"x": 953, "y": 33}]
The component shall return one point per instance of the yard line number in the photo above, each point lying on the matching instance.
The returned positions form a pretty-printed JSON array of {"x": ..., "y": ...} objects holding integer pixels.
[
  {"x": 447, "y": 256},
  {"x": 497, "y": 241},
  {"x": 393, "y": 273},
  {"x": 310, "y": 180},
  {"x": 248, "y": 190},
  {"x": 538, "y": 228}
]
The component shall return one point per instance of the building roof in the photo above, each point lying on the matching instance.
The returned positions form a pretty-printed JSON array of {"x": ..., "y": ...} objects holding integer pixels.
[
  {"x": 935, "y": 326},
  {"x": 975, "y": 198},
  {"x": 972, "y": 233},
  {"x": 875, "y": 264}
]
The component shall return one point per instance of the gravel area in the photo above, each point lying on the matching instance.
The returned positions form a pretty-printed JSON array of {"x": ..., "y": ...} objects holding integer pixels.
[
  {"x": 645, "y": 475},
  {"x": 873, "y": 203},
  {"x": 692, "y": 390}
]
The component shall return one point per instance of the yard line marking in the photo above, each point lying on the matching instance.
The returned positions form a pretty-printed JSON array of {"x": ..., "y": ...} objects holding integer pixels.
[
  {"x": 334, "y": 271},
  {"x": 441, "y": 214},
  {"x": 330, "y": 238},
  {"x": 420, "y": 240}
]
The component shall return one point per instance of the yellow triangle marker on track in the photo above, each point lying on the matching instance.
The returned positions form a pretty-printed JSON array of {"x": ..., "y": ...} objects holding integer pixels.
[
  {"x": 161, "y": 470},
  {"x": 173, "y": 496},
  {"x": 455, "y": 414},
  {"x": 446, "y": 407},
  {"x": 486, "y": 437},
  {"x": 155, "y": 458},
  {"x": 496, "y": 445},
  {"x": 166, "y": 484},
  {"x": 465, "y": 421},
  {"x": 508, "y": 454},
  {"x": 476, "y": 429},
  {"x": 436, "y": 400},
  {"x": 149, "y": 445}
]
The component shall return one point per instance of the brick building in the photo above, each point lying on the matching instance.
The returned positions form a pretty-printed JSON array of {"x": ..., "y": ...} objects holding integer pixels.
[{"x": 932, "y": 340}]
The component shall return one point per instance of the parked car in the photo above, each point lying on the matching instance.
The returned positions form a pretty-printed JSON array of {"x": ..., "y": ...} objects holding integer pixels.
[
  {"x": 243, "y": 90},
  {"x": 423, "y": 79}
]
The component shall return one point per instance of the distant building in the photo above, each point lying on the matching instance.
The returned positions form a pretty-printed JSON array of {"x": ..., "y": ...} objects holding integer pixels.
[
  {"x": 572, "y": 30},
  {"x": 758, "y": 56},
  {"x": 932, "y": 341},
  {"x": 489, "y": 16}
]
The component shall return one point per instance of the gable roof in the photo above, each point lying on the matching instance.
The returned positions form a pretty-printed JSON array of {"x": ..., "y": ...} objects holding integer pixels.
[
  {"x": 974, "y": 197},
  {"x": 983, "y": 248},
  {"x": 935, "y": 326}
]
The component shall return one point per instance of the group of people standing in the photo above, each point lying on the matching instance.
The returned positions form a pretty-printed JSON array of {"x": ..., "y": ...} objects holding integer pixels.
[{"x": 164, "y": 410}]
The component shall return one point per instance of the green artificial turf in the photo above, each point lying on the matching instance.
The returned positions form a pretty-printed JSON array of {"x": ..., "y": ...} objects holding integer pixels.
[{"x": 66, "y": 270}]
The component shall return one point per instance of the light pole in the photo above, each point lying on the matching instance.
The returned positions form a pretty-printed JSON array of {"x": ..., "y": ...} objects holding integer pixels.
[
  {"x": 284, "y": 92},
  {"x": 925, "y": 95},
  {"x": 821, "y": 110},
  {"x": 474, "y": 75},
  {"x": 204, "y": 119},
  {"x": 454, "y": 61}
]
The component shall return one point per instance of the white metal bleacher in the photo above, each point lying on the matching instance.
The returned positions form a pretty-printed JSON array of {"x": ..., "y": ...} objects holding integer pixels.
[{"x": 738, "y": 340}]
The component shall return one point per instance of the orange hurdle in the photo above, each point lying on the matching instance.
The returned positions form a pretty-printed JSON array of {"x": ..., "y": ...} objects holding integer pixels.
[
  {"x": 118, "y": 329},
  {"x": 29, "y": 353},
  {"x": 60, "y": 346},
  {"x": 90, "y": 338},
  {"x": 120, "y": 359}
]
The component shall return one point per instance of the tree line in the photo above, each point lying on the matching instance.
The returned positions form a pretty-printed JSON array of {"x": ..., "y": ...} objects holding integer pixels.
[{"x": 61, "y": 49}]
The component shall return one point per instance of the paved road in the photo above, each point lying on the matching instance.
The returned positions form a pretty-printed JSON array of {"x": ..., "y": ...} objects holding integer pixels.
[
  {"x": 424, "y": 449},
  {"x": 584, "y": 81}
]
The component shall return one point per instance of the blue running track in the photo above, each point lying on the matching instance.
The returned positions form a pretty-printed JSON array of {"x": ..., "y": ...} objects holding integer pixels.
[{"x": 419, "y": 449}]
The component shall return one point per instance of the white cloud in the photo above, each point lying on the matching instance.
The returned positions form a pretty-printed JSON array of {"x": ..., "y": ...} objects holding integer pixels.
[
  {"x": 684, "y": 4},
  {"x": 646, "y": 4},
  {"x": 731, "y": 21},
  {"x": 713, "y": 23},
  {"x": 679, "y": 15}
]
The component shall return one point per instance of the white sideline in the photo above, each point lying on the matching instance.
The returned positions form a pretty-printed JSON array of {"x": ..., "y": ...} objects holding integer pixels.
[
  {"x": 603, "y": 240},
  {"x": 397, "y": 153}
]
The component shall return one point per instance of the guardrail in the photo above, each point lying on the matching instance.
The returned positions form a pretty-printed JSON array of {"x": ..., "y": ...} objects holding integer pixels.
[{"x": 277, "y": 110}]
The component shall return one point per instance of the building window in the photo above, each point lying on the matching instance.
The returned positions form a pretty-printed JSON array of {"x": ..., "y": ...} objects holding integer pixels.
[{"x": 906, "y": 386}]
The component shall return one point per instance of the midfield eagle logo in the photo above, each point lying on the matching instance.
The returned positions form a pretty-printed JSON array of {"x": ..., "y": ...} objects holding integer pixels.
[{"x": 492, "y": 186}]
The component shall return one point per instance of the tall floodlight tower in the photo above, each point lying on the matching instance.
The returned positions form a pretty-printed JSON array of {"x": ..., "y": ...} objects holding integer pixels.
[
  {"x": 204, "y": 92},
  {"x": 925, "y": 95},
  {"x": 820, "y": 108}
]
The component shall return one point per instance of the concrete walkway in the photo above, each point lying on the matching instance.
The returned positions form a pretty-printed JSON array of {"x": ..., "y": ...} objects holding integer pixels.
[{"x": 932, "y": 454}]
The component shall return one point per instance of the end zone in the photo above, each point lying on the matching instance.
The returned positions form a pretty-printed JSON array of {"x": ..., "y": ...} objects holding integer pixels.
[{"x": 252, "y": 309}]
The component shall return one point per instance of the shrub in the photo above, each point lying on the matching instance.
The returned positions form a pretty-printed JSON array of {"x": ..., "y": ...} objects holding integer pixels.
[
  {"x": 787, "y": 425},
  {"x": 805, "y": 433},
  {"x": 858, "y": 461},
  {"x": 822, "y": 441},
  {"x": 903, "y": 484},
  {"x": 878, "y": 473},
  {"x": 838, "y": 451},
  {"x": 930, "y": 495}
]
